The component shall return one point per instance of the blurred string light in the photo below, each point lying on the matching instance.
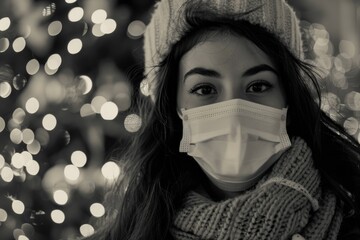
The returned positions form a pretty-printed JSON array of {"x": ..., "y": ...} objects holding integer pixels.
[
  {"x": 110, "y": 170},
  {"x": 136, "y": 29},
  {"x": 86, "y": 230},
  {"x": 5, "y": 89},
  {"x": 49, "y": 10},
  {"x": 70, "y": 1},
  {"x": 32, "y": 67},
  {"x": 97, "y": 210},
  {"x": 132, "y": 123},
  {"x": 19, "y": 44},
  {"x": 4, "y": 44},
  {"x": 42, "y": 136},
  {"x": 76, "y": 14},
  {"x": 32, "y": 105},
  {"x": 57, "y": 216},
  {"x": 78, "y": 158},
  {"x": 54, "y": 28},
  {"x": 28, "y": 136},
  {"x": 17, "y": 161},
  {"x": 347, "y": 49},
  {"x": 49, "y": 122},
  {"x": 19, "y": 81},
  {"x": 98, "y": 16},
  {"x": 53, "y": 63},
  {"x": 96, "y": 31},
  {"x": 28, "y": 229},
  {"x": 4, "y": 23},
  {"x": 74, "y": 46},
  {"x": 60, "y": 197},
  {"x": 109, "y": 111}
]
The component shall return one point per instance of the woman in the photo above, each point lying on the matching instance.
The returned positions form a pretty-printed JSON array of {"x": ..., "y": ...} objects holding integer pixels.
[{"x": 233, "y": 144}]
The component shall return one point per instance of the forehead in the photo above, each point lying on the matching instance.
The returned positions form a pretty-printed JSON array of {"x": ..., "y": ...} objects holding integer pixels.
[{"x": 224, "y": 50}]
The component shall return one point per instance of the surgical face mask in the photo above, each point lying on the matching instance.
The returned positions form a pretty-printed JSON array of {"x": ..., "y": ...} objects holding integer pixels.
[{"x": 234, "y": 141}]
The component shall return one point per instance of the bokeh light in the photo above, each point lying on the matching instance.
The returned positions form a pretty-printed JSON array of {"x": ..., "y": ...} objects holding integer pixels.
[
  {"x": 49, "y": 10},
  {"x": 2, "y": 161},
  {"x": 19, "y": 82},
  {"x": 136, "y": 29},
  {"x": 98, "y": 16},
  {"x": 96, "y": 31},
  {"x": 347, "y": 49},
  {"x": 16, "y": 136},
  {"x": 110, "y": 170},
  {"x": 23, "y": 237},
  {"x": 132, "y": 123},
  {"x": 32, "y": 67},
  {"x": 97, "y": 210},
  {"x": 49, "y": 122},
  {"x": 19, "y": 44},
  {"x": 78, "y": 158},
  {"x": 34, "y": 147},
  {"x": 4, "y": 44},
  {"x": 2, "y": 124},
  {"x": 74, "y": 46},
  {"x": 352, "y": 101},
  {"x": 7, "y": 174},
  {"x": 3, "y": 215},
  {"x": 54, "y": 61},
  {"x": 109, "y": 111},
  {"x": 351, "y": 125},
  {"x": 97, "y": 103},
  {"x": 108, "y": 26},
  {"x": 28, "y": 229},
  {"x": 18, "y": 115},
  {"x": 32, "y": 105},
  {"x": 54, "y": 28},
  {"x": 86, "y": 230},
  {"x": 17, "y": 160},
  {"x": 5, "y": 89},
  {"x": 60, "y": 197},
  {"x": 70, "y": 1},
  {"x": 32, "y": 167},
  {"x": 71, "y": 172},
  {"x": 76, "y": 14},
  {"x": 57, "y": 216},
  {"x": 18, "y": 206},
  {"x": 28, "y": 135},
  {"x": 86, "y": 110},
  {"x": 85, "y": 84},
  {"x": 4, "y": 23}
]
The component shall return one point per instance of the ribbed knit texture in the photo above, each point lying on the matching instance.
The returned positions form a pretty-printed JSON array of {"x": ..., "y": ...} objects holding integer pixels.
[
  {"x": 168, "y": 26},
  {"x": 270, "y": 210}
]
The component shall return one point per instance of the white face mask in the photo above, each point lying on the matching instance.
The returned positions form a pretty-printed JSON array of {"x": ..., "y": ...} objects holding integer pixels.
[{"x": 234, "y": 141}]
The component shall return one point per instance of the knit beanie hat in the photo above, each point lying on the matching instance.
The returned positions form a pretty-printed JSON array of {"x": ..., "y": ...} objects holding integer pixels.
[{"x": 167, "y": 27}]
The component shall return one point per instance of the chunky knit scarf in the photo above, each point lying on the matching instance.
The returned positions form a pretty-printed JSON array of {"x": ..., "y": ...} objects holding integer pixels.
[{"x": 289, "y": 202}]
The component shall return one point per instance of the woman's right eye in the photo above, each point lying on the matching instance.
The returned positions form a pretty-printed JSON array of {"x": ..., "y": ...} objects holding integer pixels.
[{"x": 203, "y": 90}]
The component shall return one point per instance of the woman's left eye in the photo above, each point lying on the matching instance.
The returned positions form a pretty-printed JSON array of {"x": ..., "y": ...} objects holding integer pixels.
[{"x": 258, "y": 87}]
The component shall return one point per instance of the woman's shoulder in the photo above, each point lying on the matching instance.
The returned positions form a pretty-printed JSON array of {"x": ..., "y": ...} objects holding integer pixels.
[{"x": 350, "y": 229}]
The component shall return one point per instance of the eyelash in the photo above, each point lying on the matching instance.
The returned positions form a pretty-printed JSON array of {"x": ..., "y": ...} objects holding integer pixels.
[
  {"x": 201, "y": 86},
  {"x": 258, "y": 82}
]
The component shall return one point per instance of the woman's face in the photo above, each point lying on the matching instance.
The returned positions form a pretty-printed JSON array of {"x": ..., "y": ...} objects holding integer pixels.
[{"x": 226, "y": 67}]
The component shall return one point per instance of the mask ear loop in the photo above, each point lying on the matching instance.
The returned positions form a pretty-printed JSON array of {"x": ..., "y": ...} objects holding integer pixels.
[
  {"x": 179, "y": 112},
  {"x": 185, "y": 141}
]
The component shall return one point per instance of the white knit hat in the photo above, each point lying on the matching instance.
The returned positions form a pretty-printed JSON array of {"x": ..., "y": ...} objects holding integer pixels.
[{"x": 167, "y": 26}]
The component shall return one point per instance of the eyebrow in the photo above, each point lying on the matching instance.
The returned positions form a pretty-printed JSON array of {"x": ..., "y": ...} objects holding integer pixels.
[{"x": 212, "y": 73}]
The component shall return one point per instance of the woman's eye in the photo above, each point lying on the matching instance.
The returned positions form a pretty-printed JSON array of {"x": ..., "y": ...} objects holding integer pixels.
[
  {"x": 258, "y": 87},
  {"x": 203, "y": 90}
]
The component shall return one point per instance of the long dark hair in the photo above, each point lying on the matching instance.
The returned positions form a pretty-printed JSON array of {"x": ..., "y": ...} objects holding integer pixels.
[{"x": 156, "y": 176}]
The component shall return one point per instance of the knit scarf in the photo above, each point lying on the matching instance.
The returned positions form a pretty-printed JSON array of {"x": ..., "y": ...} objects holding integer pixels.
[{"x": 288, "y": 201}]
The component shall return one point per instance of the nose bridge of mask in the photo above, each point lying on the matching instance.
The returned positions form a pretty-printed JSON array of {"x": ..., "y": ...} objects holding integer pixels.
[{"x": 206, "y": 122}]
